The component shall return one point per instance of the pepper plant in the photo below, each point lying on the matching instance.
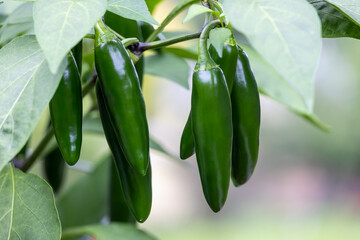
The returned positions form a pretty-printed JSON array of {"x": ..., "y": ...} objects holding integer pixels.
[{"x": 86, "y": 60}]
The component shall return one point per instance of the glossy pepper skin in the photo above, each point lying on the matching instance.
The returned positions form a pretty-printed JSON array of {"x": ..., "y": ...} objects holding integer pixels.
[
  {"x": 246, "y": 121},
  {"x": 127, "y": 28},
  {"x": 227, "y": 62},
  {"x": 136, "y": 188},
  {"x": 212, "y": 127},
  {"x": 54, "y": 168},
  {"x": 122, "y": 91},
  {"x": 118, "y": 208},
  {"x": 66, "y": 113}
]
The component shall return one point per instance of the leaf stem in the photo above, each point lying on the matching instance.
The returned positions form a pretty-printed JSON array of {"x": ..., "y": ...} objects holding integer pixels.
[
  {"x": 176, "y": 11},
  {"x": 38, "y": 150},
  {"x": 48, "y": 136},
  {"x": 163, "y": 43}
]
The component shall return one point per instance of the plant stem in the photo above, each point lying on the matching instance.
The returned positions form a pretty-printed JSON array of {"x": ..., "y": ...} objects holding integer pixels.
[
  {"x": 163, "y": 43},
  {"x": 176, "y": 11},
  {"x": 38, "y": 150},
  {"x": 204, "y": 60},
  {"x": 128, "y": 41},
  {"x": 46, "y": 140}
]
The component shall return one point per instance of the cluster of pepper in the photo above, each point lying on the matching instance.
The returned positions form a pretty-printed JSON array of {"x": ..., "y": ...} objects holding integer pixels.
[{"x": 223, "y": 126}]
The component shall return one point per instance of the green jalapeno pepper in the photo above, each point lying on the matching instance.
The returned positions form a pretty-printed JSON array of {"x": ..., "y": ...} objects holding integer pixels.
[
  {"x": 211, "y": 121},
  {"x": 66, "y": 113},
  {"x": 246, "y": 121},
  {"x": 121, "y": 87}
]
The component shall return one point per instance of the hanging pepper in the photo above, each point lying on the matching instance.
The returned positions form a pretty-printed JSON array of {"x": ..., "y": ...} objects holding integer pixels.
[
  {"x": 66, "y": 113},
  {"x": 246, "y": 121},
  {"x": 121, "y": 87},
  {"x": 212, "y": 125}
]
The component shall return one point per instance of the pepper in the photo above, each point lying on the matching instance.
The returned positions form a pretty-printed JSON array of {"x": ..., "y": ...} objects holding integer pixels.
[
  {"x": 136, "y": 188},
  {"x": 227, "y": 63},
  {"x": 120, "y": 84},
  {"x": 66, "y": 113},
  {"x": 118, "y": 208},
  {"x": 129, "y": 29},
  {"x": 246, "y": 121},
  {"x": 211, "y": 120},
  {"x": 54, "y": 169}
]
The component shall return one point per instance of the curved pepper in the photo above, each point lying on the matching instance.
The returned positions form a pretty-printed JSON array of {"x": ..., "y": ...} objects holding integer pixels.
[
  {"x": 212, "y": 125},
  {"x": 66, "y": 113},
  {"x": 120, "y": 84},
  {"x": 54, "y": 168},
  {"x": 136, "y": 187},
  {"x": 118, "y": 208},
  {"x": 246, "y": 121}
]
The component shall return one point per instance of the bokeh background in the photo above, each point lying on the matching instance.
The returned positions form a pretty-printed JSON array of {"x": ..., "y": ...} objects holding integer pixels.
[{"x": 307, "y": 182}]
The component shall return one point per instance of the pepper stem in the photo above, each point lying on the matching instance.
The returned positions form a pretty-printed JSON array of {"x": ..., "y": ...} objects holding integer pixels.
[
  {"x": 102, "y": 33},
  {"x": 204, "y": 60}
]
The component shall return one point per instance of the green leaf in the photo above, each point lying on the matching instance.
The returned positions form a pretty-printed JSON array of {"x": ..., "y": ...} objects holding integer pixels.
[
  {"x": 218, "y": 37},
  {"x": 109, "y": 232},
  {"x": 168, "y": 66},
  {"x": 334, "y": 23},
  {"x": 84, "y": 202},
  {"x": 152, "y": 4},
  {"x": 196, "y": 10},
  {"x": 18, "y": 22},
  {"x": 349, "y": 7},
  {"x": 133, "y": 9},
  {"x": 27, "y": 207},
  {"x": 21, "y": 14},
  {"x": 11, "y": 31},
  {"x": 287, "y": 34},
  {"x": 61, "y": 24},
  {"x": 273, "y": 85},
  {"x": 26, "y": 87}
]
